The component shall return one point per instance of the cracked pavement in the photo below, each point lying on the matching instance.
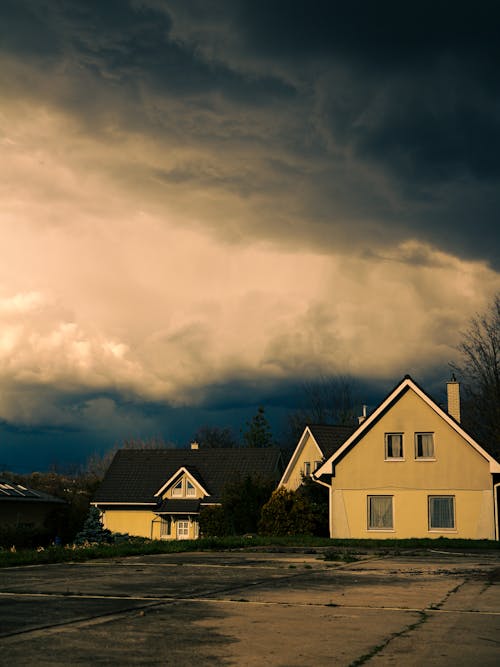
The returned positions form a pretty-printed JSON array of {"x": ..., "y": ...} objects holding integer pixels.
[{"x": 254, "y": 608}]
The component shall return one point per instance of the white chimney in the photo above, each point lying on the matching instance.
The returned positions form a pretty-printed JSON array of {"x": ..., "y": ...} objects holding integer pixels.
[
  {"x": 453, "y": 392},
  {"x": 362, "y": 418},
  {"x": 195, "y": 445}
]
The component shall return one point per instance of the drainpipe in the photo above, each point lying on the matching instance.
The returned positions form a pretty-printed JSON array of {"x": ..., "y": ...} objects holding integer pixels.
[{"x": 495, "y": 508}]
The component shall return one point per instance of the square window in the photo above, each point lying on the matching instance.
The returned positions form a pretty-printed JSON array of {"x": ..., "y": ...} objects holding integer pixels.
[
  {"x": 441, "y": 512},
  {"x": 182, "y": 530},
  {"x": 380, "y": 513},
  {"x": 424, "y": 445},
  {"x": 393, "y": 446}
]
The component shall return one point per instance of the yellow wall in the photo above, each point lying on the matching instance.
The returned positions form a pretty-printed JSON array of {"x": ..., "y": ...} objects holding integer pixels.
[
  {"x": 458, "y": 470},
  {"x": 143, "y": 523},
  {"x": 310, "y": 452},
  {"x": 133, "y": 522}
]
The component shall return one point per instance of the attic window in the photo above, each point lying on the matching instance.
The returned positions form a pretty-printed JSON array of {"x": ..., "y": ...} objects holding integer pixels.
[
  {"x": 393, "y": 446},
  {"x": 190, "y": 489},
  {"x": 177, "y": 489},
  {"x": 307, "y": 468}
]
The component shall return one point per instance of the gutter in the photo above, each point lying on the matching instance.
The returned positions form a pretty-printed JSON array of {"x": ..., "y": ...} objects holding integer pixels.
[{"x": 495, "y": 509}]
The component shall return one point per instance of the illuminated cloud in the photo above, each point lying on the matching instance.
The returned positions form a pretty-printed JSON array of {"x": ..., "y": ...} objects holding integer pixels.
[{"x": 194, "y": 197}]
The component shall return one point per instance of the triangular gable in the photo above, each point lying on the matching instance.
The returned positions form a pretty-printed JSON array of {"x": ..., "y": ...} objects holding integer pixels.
[
  {"x": 176, "y": 476},
  {"x": 297, "y": 452},
  {"x": 404, "y": 386}
]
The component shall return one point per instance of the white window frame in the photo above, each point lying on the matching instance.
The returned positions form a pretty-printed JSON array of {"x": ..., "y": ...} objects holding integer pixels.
[
  {"x": 425, "y": 458},
  {"x": 178, "y": 489},
  {"x": 182, "y": 529},
  {"x": 387, "y": 438},
  {"x": 440, "y": 529},
  {"x": 369, "y": 513}
]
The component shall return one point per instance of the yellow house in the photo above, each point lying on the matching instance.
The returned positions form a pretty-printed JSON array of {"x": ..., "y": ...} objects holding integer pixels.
[
  {"x": 317, "y": 443},
  {"x": 158, "y": 493},
  {"x": 410, "y": 470}
]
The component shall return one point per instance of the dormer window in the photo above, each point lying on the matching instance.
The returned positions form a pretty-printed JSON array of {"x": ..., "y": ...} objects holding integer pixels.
[
  {"x": 424, "y": 445},
  {"x": 190, "y": 489},
  {"x": 177, "y": 490},
  {"x": 393, "y": 446}
]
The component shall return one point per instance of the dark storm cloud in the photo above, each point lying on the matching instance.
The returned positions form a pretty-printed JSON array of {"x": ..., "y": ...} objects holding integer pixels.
[
  {"x": 409, "y": 90},
  {"x": 349, "y": 95}
]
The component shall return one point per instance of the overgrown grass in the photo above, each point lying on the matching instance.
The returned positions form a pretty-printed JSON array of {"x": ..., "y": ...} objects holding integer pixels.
[{"x": 139, "y": 546}]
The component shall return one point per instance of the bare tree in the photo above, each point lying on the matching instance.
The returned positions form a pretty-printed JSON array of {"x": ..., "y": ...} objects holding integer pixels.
[
  {"x": 479, "y": 371},
  {"x": 327, "y": 400},
  {"x": 214, "y": 437},
  {"x": 97, "y": 464}
]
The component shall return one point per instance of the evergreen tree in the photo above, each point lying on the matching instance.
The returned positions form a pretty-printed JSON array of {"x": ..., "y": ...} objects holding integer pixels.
[
  {"x": 93, "y": 531},
  {"x": 258, "y": 433}
]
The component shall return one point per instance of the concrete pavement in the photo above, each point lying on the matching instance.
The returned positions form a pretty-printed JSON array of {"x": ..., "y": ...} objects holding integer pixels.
[{"x": 241, "y": 608}]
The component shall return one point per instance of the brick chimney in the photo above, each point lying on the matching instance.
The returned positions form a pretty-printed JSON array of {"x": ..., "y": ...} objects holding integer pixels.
[
  {"x": 195, "y": 445},
  {"x": 453, "y": 391}
]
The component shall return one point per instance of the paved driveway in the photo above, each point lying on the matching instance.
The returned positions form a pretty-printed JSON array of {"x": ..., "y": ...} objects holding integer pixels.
[{"x": 235, "y": 608}]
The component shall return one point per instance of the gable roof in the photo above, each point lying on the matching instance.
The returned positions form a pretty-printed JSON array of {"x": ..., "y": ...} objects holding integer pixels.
[
  {"x": 13, "y": 492},
  {"x": 407, "y": 384},
  {"x": 328, "y": 438},
  {"x": 190, "y": 472},
  {"x": 136, "y": 475}
]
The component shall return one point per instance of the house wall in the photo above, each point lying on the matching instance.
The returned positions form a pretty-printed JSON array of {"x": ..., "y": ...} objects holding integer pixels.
[
  {"x": 144, "y": 523},
  {"x": 13, "y": 513},
  {"x": 310, "y": 452},
  {"x": 133, "y": 522},
  {"x": 458, "y": 470}
]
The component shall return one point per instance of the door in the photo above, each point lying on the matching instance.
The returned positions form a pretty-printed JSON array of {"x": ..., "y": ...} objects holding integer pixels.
[{"x": 182, "y": 530}]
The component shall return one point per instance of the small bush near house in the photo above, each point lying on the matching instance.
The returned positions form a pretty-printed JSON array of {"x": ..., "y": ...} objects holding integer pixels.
[
  {"x": 300, "y": 512},
  {"x": 213, "y": 522},
  {"x": 24, "y": 536},
  {"x": 241, "y": 505}
]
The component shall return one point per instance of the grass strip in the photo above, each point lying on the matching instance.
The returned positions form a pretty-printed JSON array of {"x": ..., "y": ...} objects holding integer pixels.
[{"x": 329, "y": 548}]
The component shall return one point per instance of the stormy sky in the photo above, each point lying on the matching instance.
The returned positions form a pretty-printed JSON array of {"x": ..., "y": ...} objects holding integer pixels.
[{"x": 205, "y": 204}]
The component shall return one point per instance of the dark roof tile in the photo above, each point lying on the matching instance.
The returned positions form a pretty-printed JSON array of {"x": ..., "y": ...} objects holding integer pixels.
[
  {"x": 135, "y": 475},
  {"x": 330, "y": 437}
]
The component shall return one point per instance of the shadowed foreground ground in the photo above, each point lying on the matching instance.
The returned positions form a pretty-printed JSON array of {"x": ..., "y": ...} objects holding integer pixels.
[{"x": 238, "y": 608}]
